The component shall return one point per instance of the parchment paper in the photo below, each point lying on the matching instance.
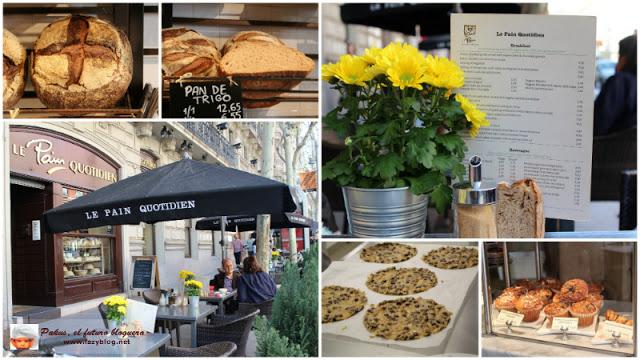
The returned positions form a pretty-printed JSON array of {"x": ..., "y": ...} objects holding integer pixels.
[{"x": 453, "y": 288}]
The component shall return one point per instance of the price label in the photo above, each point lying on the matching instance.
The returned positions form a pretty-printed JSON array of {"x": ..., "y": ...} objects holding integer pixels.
[
  {"x": 217, "y": 99},
  {"x": 624, "y": 331},
  {"x": 505, "y": 316},
  {"x": 564, "y": 322}
]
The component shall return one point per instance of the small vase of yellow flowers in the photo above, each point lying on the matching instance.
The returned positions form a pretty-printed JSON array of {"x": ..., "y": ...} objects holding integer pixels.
[
  {"x": 192, "y": 289},
  {"x": 115, "y": 310},
  {"x": 404, "y": 124}
]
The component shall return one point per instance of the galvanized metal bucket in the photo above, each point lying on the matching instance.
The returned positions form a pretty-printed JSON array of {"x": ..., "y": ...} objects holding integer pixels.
[{"x": 384, "y": 213}]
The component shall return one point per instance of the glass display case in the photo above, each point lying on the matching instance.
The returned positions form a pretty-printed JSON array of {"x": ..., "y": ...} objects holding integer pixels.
[
  {"x": 86, "y": 256},
  {"x": 580, "y": 295}
]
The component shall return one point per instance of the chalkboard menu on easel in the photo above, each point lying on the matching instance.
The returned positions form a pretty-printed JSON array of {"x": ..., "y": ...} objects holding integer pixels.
[
  {"x": 215, "y": 99},
  {"x": 145, "y": 273}
]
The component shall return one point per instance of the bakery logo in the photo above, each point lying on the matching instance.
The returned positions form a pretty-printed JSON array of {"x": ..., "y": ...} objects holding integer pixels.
[
  {"x": 24, "y": 336},
  {"x": 45, "y": 156},
  {"x": 469, "y": 34}
]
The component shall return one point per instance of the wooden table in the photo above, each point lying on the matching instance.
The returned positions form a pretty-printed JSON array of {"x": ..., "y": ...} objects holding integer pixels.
[
  {"x": 186, "y": 314},
  {"x": 219, "y": 300},
  {"x": 132, "y": 346}
]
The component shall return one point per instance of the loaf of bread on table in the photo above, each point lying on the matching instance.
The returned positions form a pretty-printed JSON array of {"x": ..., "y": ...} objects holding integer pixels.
[
  {"x": 81, "y": 62},
  {"x": 187, "y": 51},
  {"x": 520, "y": 213},
  {"x": 13, "y": 58},
  {"x": 258, "y": 54}
]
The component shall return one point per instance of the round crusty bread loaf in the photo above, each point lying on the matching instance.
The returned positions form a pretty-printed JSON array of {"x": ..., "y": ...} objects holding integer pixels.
[
  {"x": 187, "y": 51},
  {"x": 258, "y": 54},
  {"x": 81, "y": 62},
  {"x": 13, "y": 57}
]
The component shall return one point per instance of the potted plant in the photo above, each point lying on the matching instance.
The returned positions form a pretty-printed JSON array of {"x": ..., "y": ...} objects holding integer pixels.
[
  {"x": 116, "y": 310},
  {"x": 192, "y": 290},
  {"x": 403, "y": 125}
]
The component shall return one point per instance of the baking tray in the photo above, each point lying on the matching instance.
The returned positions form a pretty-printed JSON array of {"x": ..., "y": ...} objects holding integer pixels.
[{"x": 454, "y": 287}]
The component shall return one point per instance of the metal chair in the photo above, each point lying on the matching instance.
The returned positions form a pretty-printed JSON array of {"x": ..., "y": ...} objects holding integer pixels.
[
  {"x": 218, "y": 349},
  {"x": 234, "y": 328},
  {"x": 152, "y": 296},
  {"x": 103, "y": 313}
]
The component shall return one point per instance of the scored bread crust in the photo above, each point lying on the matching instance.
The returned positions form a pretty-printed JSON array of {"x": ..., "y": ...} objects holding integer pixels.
[
  {"x": 14, "y": 56},
  {"x": 528, "y": 185},
  {"x": 247, "y": 50},
  {"x": 187, "y": 51},
  {"x": 81, "y": 62}
]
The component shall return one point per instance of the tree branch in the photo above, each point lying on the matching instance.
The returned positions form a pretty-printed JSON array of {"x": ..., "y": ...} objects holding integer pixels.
[{"x": 301, "y": 143}]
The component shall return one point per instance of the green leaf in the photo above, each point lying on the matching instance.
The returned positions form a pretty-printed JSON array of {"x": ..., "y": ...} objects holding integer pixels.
[
  {"x": 441, "y": 197},
  {"x": 444, "y": 162},
  {"x": 411, "y": 103},
  {"x": 459, "y": 171},
  {"x": 387, "y": 166},
  {"x": 421, "y": 153},
  {"x": 426, "y": 183},
  {"x": 450, "y": 141}
]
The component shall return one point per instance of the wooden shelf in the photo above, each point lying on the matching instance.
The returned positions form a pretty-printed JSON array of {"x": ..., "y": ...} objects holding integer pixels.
[{"x": 242, "y": 22}]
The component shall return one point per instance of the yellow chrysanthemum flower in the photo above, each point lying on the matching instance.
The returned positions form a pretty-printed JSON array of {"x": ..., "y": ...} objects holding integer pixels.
[
  {"x": 476, "y": 117},
  {"x": 443, "y": 73},
  {"x": 352, "y": 70},
  {"x": 393, "y": 52},
  {"x": 371, "y": 55},
  {"x": 185, "y": 273},
  {"x": 328, "y": 72},
  {"x": 122, "y": 309},
  {"x": 193, "y": 283},
  {"x": 407, "y": 72}
]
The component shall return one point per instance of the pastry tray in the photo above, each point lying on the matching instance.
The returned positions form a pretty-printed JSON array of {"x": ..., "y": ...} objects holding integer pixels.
[{"x": 454, "y": 287}]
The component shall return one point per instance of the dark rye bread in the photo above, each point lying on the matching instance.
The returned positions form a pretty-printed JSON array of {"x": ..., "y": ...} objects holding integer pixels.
[
  {"x": 81, "y": 62},
  {"x": 258, "y": 54},
  {"x": 13, "y": 58},
  {"x": 187, "y": 51}
]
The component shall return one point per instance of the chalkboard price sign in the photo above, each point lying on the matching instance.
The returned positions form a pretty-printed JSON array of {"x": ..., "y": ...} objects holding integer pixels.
[
  {"x": 142, "y": 274},
  {"x": 206, "y": 99}
]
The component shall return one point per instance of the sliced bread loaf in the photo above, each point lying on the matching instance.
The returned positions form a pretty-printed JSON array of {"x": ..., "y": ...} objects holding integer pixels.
[
  {"x": 258, "y": 54},
  {"x": 520, "y": 212}
]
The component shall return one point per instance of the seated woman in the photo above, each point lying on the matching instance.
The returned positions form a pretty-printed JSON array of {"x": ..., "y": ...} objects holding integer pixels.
[
  {"x": 255, "y": 286},
  {"x": 227, "y": 278}
]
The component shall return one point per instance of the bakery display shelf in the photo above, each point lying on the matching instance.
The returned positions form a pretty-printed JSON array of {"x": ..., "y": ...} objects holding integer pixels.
[
  {"x": 81, "y": 261},
  {"x": 243, "y": 22},
  {"x": 146, "y": 110}
]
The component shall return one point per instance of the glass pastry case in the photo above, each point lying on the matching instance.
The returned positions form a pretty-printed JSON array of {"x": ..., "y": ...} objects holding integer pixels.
[{"x": 580, "y": 295}]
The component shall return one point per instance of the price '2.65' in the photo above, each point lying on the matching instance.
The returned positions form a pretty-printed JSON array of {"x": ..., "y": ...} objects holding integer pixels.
[{"x": 230, "y": 110}]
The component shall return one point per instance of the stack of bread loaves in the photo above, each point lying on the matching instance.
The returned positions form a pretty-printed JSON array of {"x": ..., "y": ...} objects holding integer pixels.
[
  {"x": 252, "y": 54},
  {"x": 13, "y": 59}
]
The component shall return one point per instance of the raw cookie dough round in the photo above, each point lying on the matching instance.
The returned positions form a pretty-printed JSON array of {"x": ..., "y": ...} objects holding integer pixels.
[
  {"x": 387, "y": 253},
  {"x": 339, "y": 303},
  {"x": 402, "y": 281},
  {"x": 452, "y": 257},
  {"x": 406, "y": 318}
]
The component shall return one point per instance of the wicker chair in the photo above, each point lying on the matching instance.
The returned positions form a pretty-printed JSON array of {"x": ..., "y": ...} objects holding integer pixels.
[
  {"x": 264, "y": 307},
  {"x": 234, "y": 328},
  {"x": 218, "y": 349},
  {"x": 152, "y": 296}
]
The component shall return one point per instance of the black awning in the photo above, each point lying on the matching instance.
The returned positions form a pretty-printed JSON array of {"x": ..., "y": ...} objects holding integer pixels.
[
  {"x": 248, "y": 223},
  {"x": 434, "y": 19},
  {"x": 182, "y": 190}
]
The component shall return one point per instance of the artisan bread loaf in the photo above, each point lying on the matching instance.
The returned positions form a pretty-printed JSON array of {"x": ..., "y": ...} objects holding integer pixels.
[
  {"x": 258, "y": 54},
  {"x": 81, "y": 62},
  {"x": 520, "y": 212},
  {"x": 187, "y": 51},
  {"x": 13, "y": 58}
]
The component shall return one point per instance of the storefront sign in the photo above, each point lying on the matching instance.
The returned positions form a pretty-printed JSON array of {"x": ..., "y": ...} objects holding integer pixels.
[
  {"x": 568, "y": 324},
  {"x": 206, "y": 99},
  {"x": 506, "y": 316},
  {"x": 534, "y": 77},
  {"x": 50, "y": 156},
  {"x": 624, "y": 331},
  {"x": 35, "y": 230},
  {"x": 144, "y": 208}
]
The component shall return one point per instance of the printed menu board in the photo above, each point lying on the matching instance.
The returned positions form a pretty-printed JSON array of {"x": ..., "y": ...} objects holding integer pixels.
[{"x": 534, "y": 77}]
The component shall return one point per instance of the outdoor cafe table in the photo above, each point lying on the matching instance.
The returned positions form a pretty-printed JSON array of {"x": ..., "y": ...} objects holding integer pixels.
[
  {"x": 219, "y": 300},
  {"x": 136, "y": 346},
  {"x": 186, "y": 314},
  {"x": 80, "y": 321}
]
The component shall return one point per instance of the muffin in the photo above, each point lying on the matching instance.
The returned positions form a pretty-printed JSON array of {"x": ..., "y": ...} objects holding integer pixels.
[
  {"x": 515, "y": 290},
  {"x": 550, "y": 283},
  {"x": 558, "y": 309},
  {"x": 596, "y": 299},
  {"x": 506, "y": 302},
  {"x": 584, "y": 311},
  {"x": 595, "y": 288},
  {"x": 558, "y": 298},
  {"x": 543, "y": 294},
  {"x": 575, "y": 290},
  {"x": 526, "y": 283},
  {"x": 529, "y": 306}
]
